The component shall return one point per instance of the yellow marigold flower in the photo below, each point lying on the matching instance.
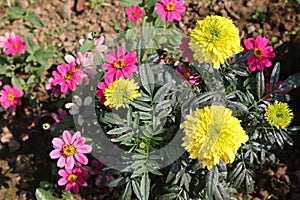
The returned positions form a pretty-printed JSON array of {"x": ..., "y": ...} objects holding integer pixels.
[
  {"x": 121, "y": 92},
  {"x": 278, "y": 114},
  {"x": 214, "y": 39},
  {"x": 211, "y": 134}
]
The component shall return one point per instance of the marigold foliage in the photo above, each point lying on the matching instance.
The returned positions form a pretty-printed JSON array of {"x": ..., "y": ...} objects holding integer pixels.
[{"x": 211, "y": 134}]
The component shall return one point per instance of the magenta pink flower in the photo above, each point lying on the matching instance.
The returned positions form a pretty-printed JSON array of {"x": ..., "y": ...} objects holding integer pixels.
[
  {"x": 170, "y": 9},
  {"x": 55, "y": 89},
  {"x": 3, "y": 39},
  {"x": 101, "y": 86},
  {"x": 10, "y": 97},
  {"x": 187, "y": 52},
  {"x": 133, "y": 13},
  {"x": 57, "y": 118},
  {"x": 67, "y": 75},
  {"x": 185, "y": 74},
  {"x": 120, "y": 65},
  {"x": 14, "y": 45},
  {"x": 70, "y": 150},
  {"x": 72, "y": 178},
  {"x": 97, "y": 170},
  {"x": 261, "y": 53}
]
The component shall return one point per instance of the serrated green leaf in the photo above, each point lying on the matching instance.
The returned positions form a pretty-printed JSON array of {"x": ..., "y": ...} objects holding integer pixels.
[
  {"x": 162, "y": 92},
  {"x": 260, "y": 84},
  {"x": 145, "y": 186},
  {"x": 127, "y": 192},
  {"x": 274, "y": 78},
  {"x": 117, "y": 131},
  {"x": 147, "y": 78},
  {"x": 42, "y": 194}
]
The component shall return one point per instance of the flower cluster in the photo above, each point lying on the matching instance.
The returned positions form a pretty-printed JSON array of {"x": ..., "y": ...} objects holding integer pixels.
[{"x": 70, "y": 152}]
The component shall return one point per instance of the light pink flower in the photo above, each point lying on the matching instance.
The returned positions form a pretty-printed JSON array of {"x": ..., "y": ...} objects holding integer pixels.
[
  {"x": 100, "y": 48},
  {"x": 3, "y": 39},
  {"x": 120, "y": 64},
  {"x": 72, "y": 178},
  {"x": 170, "y": 9},
  {"x": 97, "y": 170},
  {"x": 133, "y": 13},
  {"x": 55, "y": 89},
  {"x": 57, "y": 118},
  {"x": 10, "y": 97},
  {"x": 261, "y": 53},
  {"x": 14, "y": 45},
  {"x": 185, "y": 74},
  {"x": 85, "y": 62},
  {"x": 67, "y": 75},
  {"x": 187, "y": 52},
  {"x": 70, "y": 150}
]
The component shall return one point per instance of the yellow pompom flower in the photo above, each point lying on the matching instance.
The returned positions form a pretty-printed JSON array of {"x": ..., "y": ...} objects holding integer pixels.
[
  {"x": 215, "y": 39},
  {"x": 121, "y": 92},
  {"x": 278, "y": 114},
  {"x": 211, "y": 134}
]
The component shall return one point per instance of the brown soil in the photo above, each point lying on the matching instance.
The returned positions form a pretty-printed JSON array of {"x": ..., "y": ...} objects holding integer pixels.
[{"x": 24, "y": 146}]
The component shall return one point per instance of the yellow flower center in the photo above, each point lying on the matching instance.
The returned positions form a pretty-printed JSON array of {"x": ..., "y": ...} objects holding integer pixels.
[
  {"x": 16, "y": 46},
  {"x": 258, "y": 53},
  {"x": 72, "y": 178},
  {"x": 187, "y": 75},
  {"x": 69, "y": 75},
  {"x": 46, "y": 126},
  {"x": 69, "y": 150},
  {"x": 170, "y": 6},
  {"x": 133, "y": 14},
  {"x": 10, "y": 97},
  {"x": 119, "y": 64},
  {"x": 214, "y": 34}
]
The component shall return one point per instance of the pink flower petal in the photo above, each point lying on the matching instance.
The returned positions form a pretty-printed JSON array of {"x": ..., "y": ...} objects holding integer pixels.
[
  {"x": 81, "y": 158},
  {"x": 61, "y": 161},
  {"x": 57, "y": 142},
  {"x": 62, "y": 181},
  {"x": 56, "y": 153},
  {"x": 67, "y": 137},
  {"x": 84, "y": 149}
]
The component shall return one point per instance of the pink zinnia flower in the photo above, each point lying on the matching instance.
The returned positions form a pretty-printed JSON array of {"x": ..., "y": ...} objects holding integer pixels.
[
  {"x": 85, "y": 62},
  {"x": 57, "y": 118},
  {"x": 97, "y": 170},
  {"x": 10, "y": 97},
  {"x": 100, "y": 48},
  {"x": 187, "y": 52},
  {"x": 72, "y": 178},
  {"x": 55, "y": 89},
  {"x": 67, "y": 75},
  {"x": 261, "y": 53},
  {"x": 70, "y": 150},
  {"x": 120, "y": 65},
  {"x": 14, "y": 45},
  {"x": 101, "y": 86},
  {"x": 185, "y": 74},
  {"x": 170, "y": 9},
  {"x": 133, "y": 13},
  {"x": 3, "y": 39}
]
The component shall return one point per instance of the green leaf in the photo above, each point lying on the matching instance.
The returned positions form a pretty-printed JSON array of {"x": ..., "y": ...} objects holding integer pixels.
[
  {"x": 136, "y": 188},
  {"x": 128, "y": 3},
  {"x": 141, "y": 106},
  {"x": 117, "y": 131},
  {"x": 260, "y": 84},
  {"x": 27, "y": 38},
  {"x": 18, "y": 82},
  {"x": 34, "y": 20},
  {"x": 274, "y": 76},
  {"x": 42, "y": 194},
  {"x": 145, "y": 186},
  {"x": 147, "y": 78},
  {"x": 162, "y": 92},
  {"x": 127, "y": 192},
  {"x": 115, "y": 26},
  {"x": 87, "y": 45},
  {"x": 117, "y": 182},
  {"x": 290, "y": 83},
  {"x": 215, "y": 190},
  {"x": 16, "y": 12},
  {"x": 140, "y": 50}
]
